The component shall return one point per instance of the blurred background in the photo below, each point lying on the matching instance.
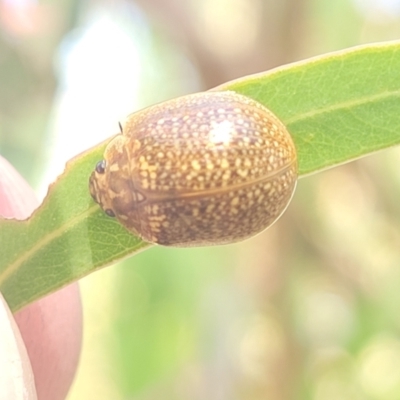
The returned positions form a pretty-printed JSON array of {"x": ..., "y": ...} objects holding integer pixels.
[{"x": 307, "y": 310}]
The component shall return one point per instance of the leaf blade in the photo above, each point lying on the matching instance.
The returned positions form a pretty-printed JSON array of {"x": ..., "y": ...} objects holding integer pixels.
[
  {"x": 337, "y": 107},
  {"x": 54, "y": 246},
  {"x": 313, "y": 96}
]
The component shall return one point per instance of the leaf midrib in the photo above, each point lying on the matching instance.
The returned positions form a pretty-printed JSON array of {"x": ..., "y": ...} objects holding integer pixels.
[{"x": 343, "y": 105}]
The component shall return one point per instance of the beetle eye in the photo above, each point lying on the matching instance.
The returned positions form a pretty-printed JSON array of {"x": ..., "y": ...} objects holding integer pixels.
[
  {"x": 101, "y": 167},
  {"x": 110, "y": 212}
]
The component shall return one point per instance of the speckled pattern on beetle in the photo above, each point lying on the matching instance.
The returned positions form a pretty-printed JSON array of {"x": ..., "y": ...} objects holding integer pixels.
[{"x": 205, "y": 169}]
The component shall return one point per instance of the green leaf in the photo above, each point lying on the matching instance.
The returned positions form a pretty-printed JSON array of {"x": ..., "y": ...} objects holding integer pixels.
[
  {"x": 337, "y": 107},
  {"x": 66, "y": 238}
]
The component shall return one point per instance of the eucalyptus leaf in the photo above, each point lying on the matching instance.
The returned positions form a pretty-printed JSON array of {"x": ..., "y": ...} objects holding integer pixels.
[
  {"x": 337, "y": 107},
  {"x": 66, "y": 238}
]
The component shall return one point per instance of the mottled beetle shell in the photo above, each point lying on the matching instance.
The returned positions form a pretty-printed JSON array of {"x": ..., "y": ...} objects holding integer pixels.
[{"x": 204, "y": 169}]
